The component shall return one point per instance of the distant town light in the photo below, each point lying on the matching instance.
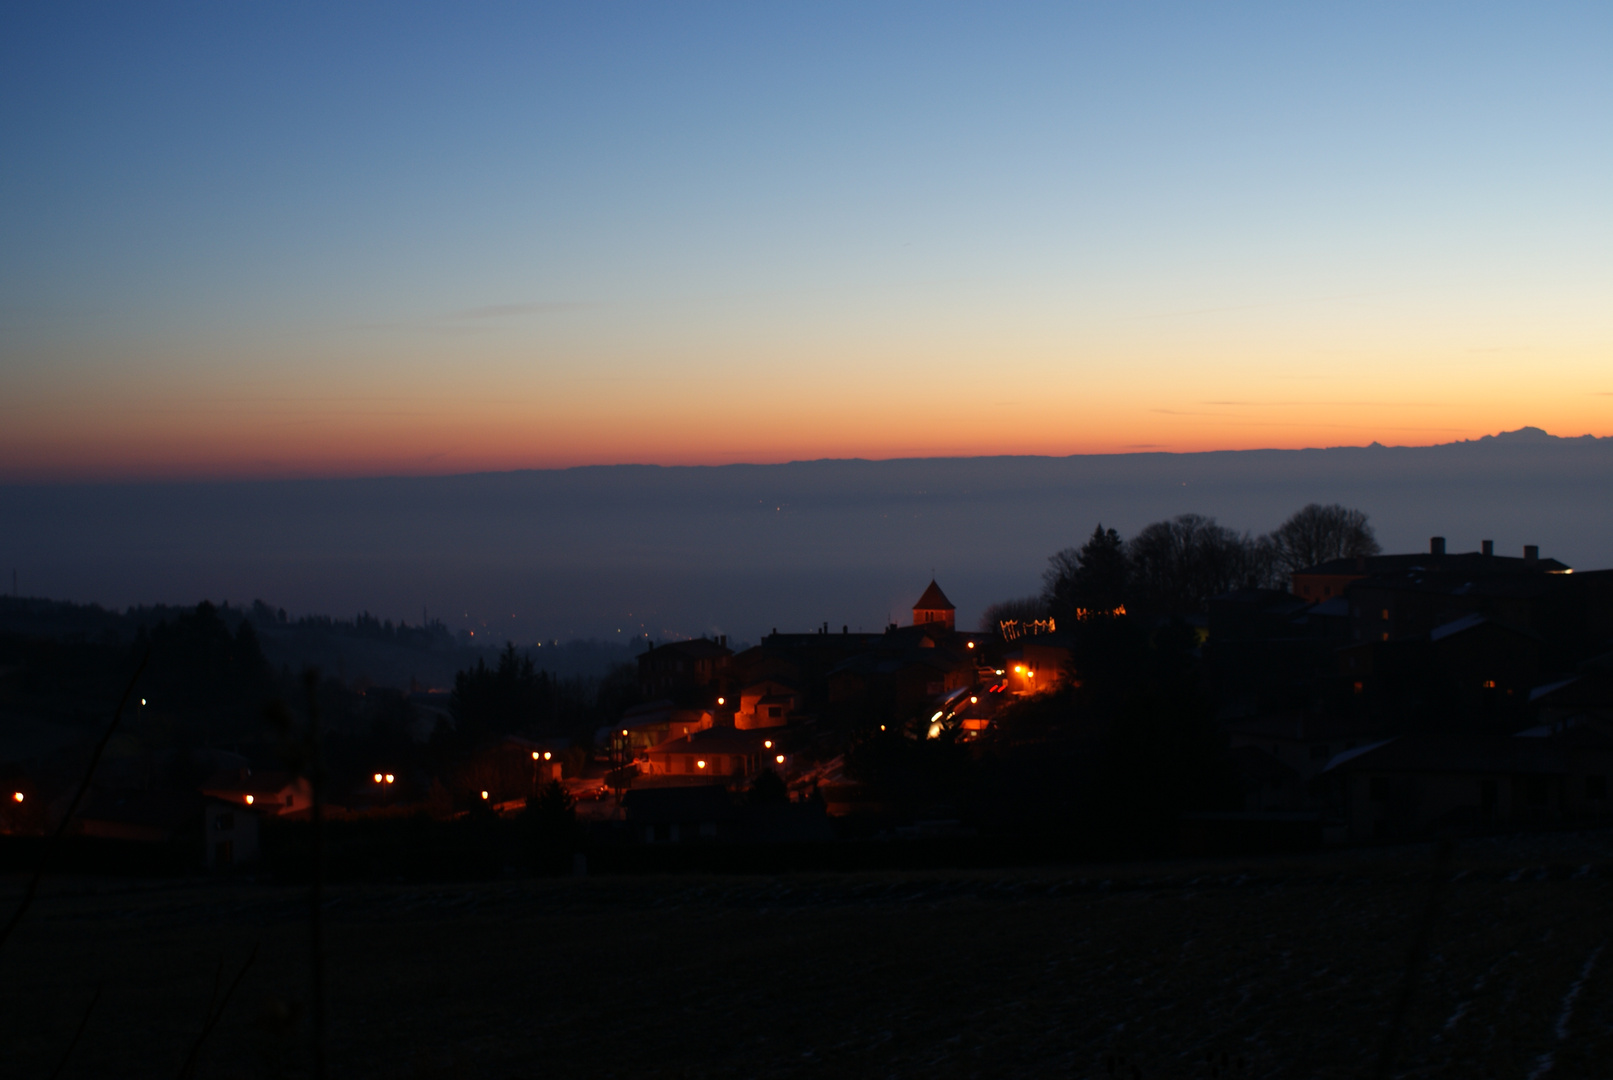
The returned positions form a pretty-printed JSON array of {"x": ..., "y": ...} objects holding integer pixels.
[
  {"x": 249, "y": 800},
  {"x": 779, "y": 759},
  {"x": 534, "y": 755},
  {"x": 17, "y": 796},
  {"x": 700, "y": 764},
  {"x": 484, "y": 794},
  {"x": 767, "y": 744},
  {"x": 974, "y": 700},
  {"x": 1019, "y": 667},
  {"x": 389, "y": 778},
  {"x": 142, "y": 701},
  {"x": 547, "y": 755},
  {"x": 377, "y": 778},
  {"x": 722, "y": 701},
  {"x": 971, "y": 644},
  {"x": 999, "y": 671}
]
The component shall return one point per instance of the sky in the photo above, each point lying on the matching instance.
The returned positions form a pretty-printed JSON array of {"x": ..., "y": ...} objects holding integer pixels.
[{"x": 327, "y": 240}]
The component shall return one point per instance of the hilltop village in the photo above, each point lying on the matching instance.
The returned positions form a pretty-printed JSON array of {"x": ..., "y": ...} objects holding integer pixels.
[{"x": 1363, "y": 698}]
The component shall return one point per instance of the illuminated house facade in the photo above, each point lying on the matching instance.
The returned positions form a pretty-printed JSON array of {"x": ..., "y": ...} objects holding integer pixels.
[{"x": 768, "y": 703}]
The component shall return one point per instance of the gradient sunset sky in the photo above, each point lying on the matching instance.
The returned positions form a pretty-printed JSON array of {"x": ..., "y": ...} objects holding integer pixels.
[{"x": 286, "y": 240}]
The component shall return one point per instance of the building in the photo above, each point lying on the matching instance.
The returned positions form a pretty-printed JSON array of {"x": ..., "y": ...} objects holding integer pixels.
[
  {"x": 769, "y": 703},
  {"x": 657, "y": 721},
  {"x": 1324, "y": 581},
  {"x": 725, "y": 754},
  {"x": 679, "y": 667},
  {"x": 934, "y": 607},
  {"x": 1422, "y": 785},
  {"x": 267, "y": 791},
  {"x": 680, "y": 815}
]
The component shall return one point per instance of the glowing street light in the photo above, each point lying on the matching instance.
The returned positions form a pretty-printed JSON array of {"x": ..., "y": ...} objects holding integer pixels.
[
  {"x": 722, "y": 701},
  {"x": 779, "y": 759},
  {"x": 973, "y": 700},
  {"x": 484, "y": 795},
  {"x": 700, "y": 764},
  {"x": 249, "y": 800},
  {"x": 767, "y": 744},
  {"x": 390, "y": 778},
  {"x": 16, "y": 796},
  {"x": 378, "y": 778}
]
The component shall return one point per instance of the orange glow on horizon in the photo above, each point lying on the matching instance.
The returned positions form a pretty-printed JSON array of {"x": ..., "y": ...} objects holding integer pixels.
[{"x": 91, "y": 441}]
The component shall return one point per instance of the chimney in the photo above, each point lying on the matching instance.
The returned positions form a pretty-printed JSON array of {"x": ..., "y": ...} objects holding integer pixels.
[
  {"x": 1436, "y": 545},
  {"x": 1489, "y": 547},
  {"x": 1531, "y": 553}
]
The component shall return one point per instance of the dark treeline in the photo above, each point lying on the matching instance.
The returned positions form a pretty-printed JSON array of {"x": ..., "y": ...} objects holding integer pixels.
[{"x": 1173, "y": 567}]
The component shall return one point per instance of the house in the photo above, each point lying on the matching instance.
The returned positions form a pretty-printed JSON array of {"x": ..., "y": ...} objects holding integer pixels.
[
  {"x": 269, "y": 792},
  {"x": 680, "y": 667},
  {"x": 1473, "y": 673},
  {"x": 721, "y": 753},
  {"x": 229, "y": 835},
  {"x": 934, "y": 608},
  {"x": 1268, "y": 784},
  {"x": 657, "y": 721},
  {"x": 1301, "y": 741},
  {"x": 1038, "y": 664},
  {"x": 1420, "y": 785},
  {"x": 1324, "y": 581},
  {"x": 768, "y": 703},
  {"x": 680, "y": 815}
]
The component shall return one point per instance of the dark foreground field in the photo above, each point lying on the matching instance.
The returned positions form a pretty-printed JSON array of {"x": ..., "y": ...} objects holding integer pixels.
[{"x": 1293, "y": 966}]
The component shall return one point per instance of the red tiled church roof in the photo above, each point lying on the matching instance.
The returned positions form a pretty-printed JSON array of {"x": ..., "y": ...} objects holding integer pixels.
[{"x": 934, "y": 600}]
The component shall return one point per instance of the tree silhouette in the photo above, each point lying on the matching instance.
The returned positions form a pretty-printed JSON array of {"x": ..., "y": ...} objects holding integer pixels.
[
  {"x": 1095, "y": 577},
  {"x": 1177, "y": 565},
  {"x": 1319, "y": 533}
]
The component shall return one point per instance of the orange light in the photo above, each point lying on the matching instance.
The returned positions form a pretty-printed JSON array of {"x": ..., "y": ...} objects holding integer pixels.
[
  {"x": 768, "y": 743},
  {"x": 974, "y": 701},
  {"x": 547, "y": 755},
  {"x": 700, "y": 764},
  {"x": 779, "y": 759},
  {"x": 484, "y": 794},
  {"x": 534, "y": 755},
  {"x": 389, "y": 778},
  {"x": 722, "y": 701},
  {"x": 971, "y": 644},
  {"x": 377, "y": 778},
  {"x": 249, "y": 800},
  {"x": 624, "y": 733},
  {"x": 17, "y": 796},
  {"x": 1019, "y": 667}
]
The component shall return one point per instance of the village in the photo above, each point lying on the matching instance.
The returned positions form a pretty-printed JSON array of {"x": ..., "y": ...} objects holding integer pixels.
[{"x": 1375, "y": 698}]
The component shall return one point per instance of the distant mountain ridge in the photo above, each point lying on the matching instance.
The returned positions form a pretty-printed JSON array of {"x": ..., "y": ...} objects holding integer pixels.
[{"x": 612, "y": 552}]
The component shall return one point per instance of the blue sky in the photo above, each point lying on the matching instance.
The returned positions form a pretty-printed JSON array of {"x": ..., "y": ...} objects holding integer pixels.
[{"x": 430, "y": 238}]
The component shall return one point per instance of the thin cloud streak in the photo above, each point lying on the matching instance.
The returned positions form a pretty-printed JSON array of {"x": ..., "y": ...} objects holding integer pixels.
[{"x": 507, "y": 311}]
